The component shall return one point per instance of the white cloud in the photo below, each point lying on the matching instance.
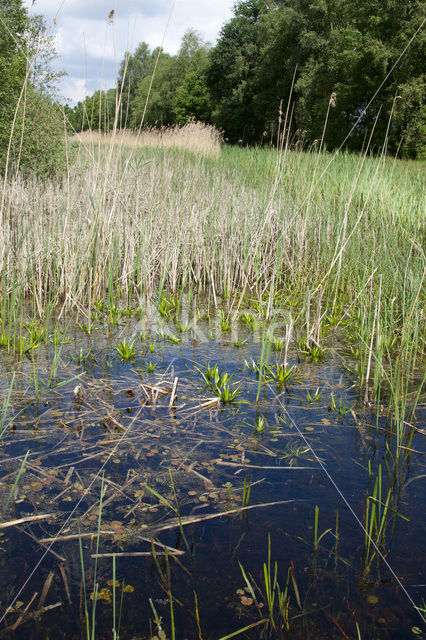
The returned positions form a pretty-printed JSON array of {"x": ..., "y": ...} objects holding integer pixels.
[
  {"x": 73, "y": 89},
  {"x": 89, "y": 47}
]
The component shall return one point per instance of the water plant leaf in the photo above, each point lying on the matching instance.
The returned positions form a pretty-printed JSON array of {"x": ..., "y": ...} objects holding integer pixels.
[
  {"x": 104, "y": 594},
  {"x": 128, "y": 588}
]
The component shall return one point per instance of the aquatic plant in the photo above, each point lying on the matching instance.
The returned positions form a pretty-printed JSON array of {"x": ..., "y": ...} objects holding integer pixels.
[
  {"x": 278, "y": 345},
  {"x": 167, "y": 337},
  {"x": 281, "y": 374},
  {"x": 313, "y": 352},
  {"x": 259, "y": 426},
  {"x": 340, "y": 408},
  {"x": 276, "y": 619},
  {"x": 252, "y": 366},
  {"x": 228, "y": 394},
  {"x": 211, "y": 375},
  {"x": 183, "y": 327},
  {"x": 310, "y": 398},
  {"x": 246, "y": 493},
  {"x": 264, "y": 359},
  {"x": 294, "y": 452},
  {"x": 36, "y": 332},
  {"x": 4, "y": 339},
  {"x": 127, "y": 351},
  {"x": 22, "y": 345},
  {"x": 220, "y": 384},
  {"x": 166, "y": 304},
  {"x": 248, "y": 319},
  {"x": 378, "y": 514},
  {"x": 224, "y": 323},
  {"x": 318, "y": 538},
  {"x": 84, "y": 357}
]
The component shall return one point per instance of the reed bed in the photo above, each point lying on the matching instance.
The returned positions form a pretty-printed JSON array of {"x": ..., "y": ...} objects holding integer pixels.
[
  {"x": 330, "y": 240},
  {"x": 196, "y": 137}
]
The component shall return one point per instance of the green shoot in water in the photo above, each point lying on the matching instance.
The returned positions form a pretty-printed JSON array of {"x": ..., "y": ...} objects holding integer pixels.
[
  {"x": 127, "y": 351},
  {"x": 281, "y": 374},
  {"x": 259, "y": 427}
]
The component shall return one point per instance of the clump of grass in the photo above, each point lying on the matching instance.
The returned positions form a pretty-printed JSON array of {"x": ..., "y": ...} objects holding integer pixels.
[
  {"x": 249, "y": 320},
  {"x": 380, "y": 511},
  {"x": 339, "y": 407},
  {"x": 85, "y": 357},
  {"x": 167, "y": 337},
  {"x": 294, "y": 452},
  {"x": 225, "y": 392},
  {"x": 278, "y": 345},
  {"x": 4, "y": 339},
  {"x": 211, "y": 375}
]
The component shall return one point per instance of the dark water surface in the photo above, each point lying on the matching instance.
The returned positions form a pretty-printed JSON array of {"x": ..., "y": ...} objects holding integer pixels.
[{"x": 156, "y": 466}]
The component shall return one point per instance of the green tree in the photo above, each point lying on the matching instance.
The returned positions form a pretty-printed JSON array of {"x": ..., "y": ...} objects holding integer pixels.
[
  {"x": 133, "y": 69},
  {"x": 342, "y": 49},
  {"x": 192, "y": 100},
  {"x": 154, "y": 99},
  {"x": 41, "y": 52},
  {"x": 167, "y": 85},
  {"x": 31, "y": 126},
  {"x": 193, "y": 53},
  {"x": 409, "y": 83},
  {"x": 38, "y": 140},
  {"x": 94, "y": 112},
  {"x": 231, "y": 72},
  {"x": 410, "y": 117},
  {"x": 13, "y": 25}
]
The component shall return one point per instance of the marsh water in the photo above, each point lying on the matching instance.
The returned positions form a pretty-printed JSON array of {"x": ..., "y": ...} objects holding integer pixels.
[{"x": 96, "y": 450}]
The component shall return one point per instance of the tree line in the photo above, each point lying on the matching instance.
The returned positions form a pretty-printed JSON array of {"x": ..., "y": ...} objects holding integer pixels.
[
  {"x": 342, "y": 65},
  {"x": 177, "y": 88},
  {"x": 336, "y": 66}
]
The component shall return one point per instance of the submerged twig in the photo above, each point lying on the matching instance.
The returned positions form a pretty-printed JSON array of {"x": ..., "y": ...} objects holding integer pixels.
[
  {"x": 210, "y": 516},
  {"x": 13, "y": 523}
]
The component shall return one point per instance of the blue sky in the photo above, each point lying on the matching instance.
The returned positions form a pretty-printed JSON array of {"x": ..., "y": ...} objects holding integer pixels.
[{"x": 90, "y": 48}]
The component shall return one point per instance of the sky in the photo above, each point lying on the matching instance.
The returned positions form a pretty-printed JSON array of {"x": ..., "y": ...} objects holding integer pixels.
[{"x": 90, "y": 47}]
